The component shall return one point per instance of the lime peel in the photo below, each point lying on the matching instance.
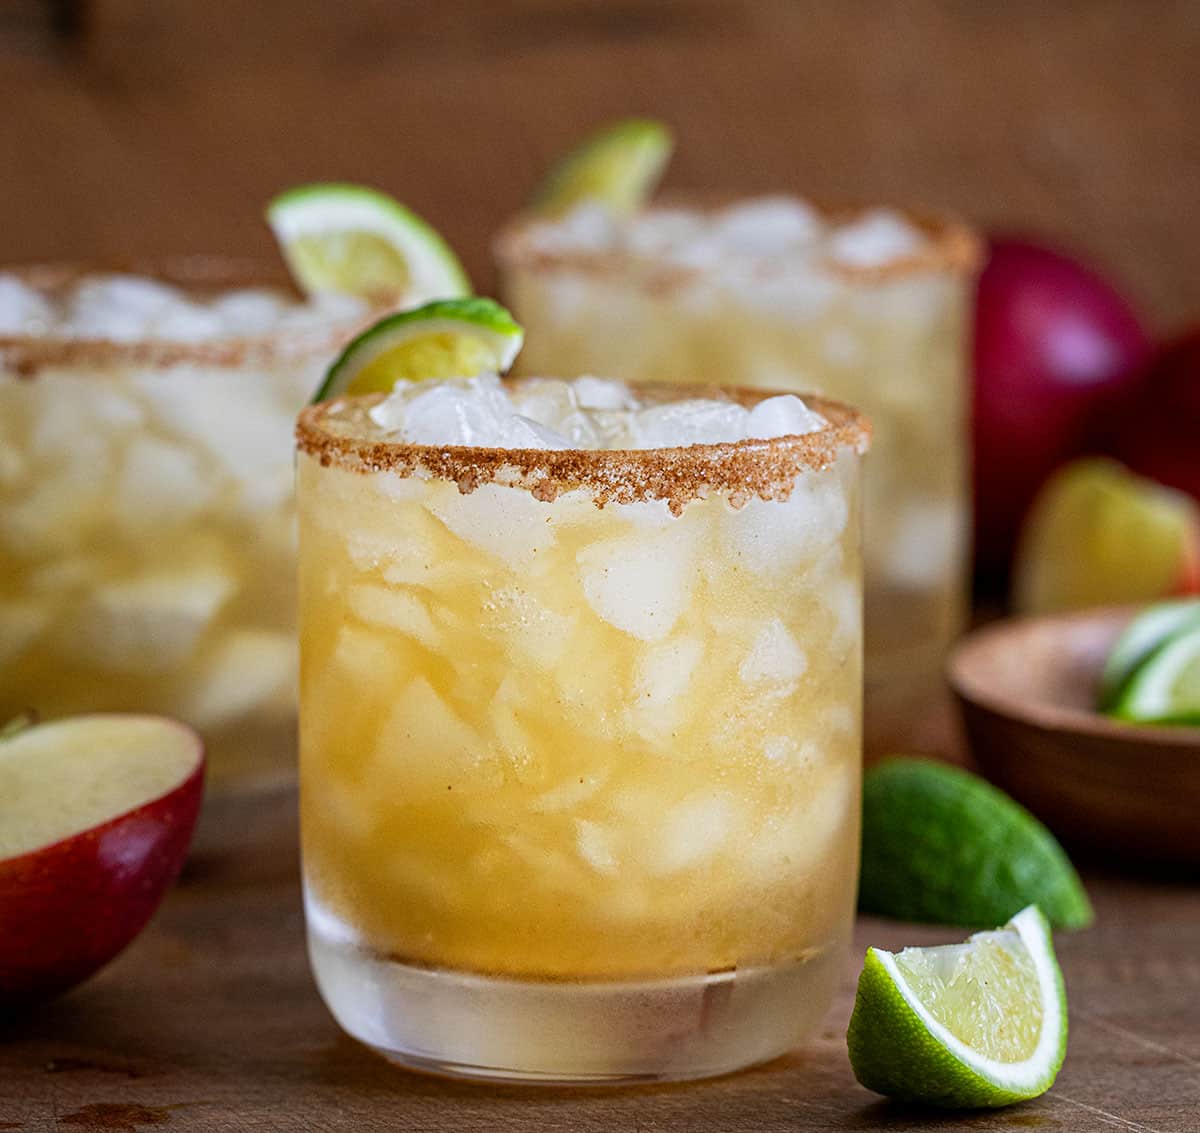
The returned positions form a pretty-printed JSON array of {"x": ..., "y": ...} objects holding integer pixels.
[
  {"x": 898, "y": 1048},
  {"x": 944, "y": 846},
  {"x": 1141, "y": 639},
  {"x": 340, "y": 237},
  {"x": 1165, "y": 689},
  {"x": 445, "y": 338},
  {"x": 619, "y": 167}
]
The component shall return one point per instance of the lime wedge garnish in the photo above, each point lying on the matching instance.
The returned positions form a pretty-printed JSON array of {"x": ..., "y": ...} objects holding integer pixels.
[
  {"x": 17, "y": 725},
  {"x": 1165, "y": 689},
  {"x": 618, "y": 167},
  {"x": 350, "y": 239},
  {"x": 1099, "y": 535},
  {"x": 1142, "y": 638},
  {"x": 963, "y": 1026},
  {"x": 450, "y": 338},
  {"x": 943, "y": 846}
]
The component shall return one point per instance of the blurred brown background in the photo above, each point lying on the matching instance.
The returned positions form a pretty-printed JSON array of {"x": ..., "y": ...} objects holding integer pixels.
[{"x": 139, "y": 126}]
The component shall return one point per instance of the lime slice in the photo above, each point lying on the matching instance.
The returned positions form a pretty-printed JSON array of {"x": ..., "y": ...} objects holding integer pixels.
[
  {"x": 451, "y": 338},
  {"x": 619, "y": 167},
  {"x": 1140, "y": 639},
  {"x": 1097, "y": 535},
  {"x": 1166, "y": 688},
  {"x": 17, "y": 725},
  {"x": 963, "y": 1026},
  {"x": 940, "y": 845},
  {"x": 347, "y": 238}
]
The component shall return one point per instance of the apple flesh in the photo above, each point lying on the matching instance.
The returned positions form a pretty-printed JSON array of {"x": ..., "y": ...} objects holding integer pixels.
[
  {"x": 1159, "y": 432},
  {"x": 1056, "y": 349},
  {"x": 96, "y": 816}
]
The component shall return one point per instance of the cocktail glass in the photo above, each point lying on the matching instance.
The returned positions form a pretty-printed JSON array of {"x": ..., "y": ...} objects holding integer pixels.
[
  {"x": 869, "y": 306},
  {"x": 580, "y": 745},
  {"x": 147, "y": 527}
]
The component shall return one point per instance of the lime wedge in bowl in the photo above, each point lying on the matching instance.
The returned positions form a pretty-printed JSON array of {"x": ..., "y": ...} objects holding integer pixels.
[
  {"x": 963, "y": 1026},
  {"x": 619, "y": 167},
  {"x": 1141, "y": 639},
  {"x": 449, "y": 338},
  {"x": 1165, "y": 689},
  {"x": 358, "y": 241}
]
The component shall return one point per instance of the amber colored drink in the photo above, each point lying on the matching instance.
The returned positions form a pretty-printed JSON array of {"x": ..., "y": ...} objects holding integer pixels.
[
  {"x": 869, "y": 306},
  {"x": 580, "y": 744}
]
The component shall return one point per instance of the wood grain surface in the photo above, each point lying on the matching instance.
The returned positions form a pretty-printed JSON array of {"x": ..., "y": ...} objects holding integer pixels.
[
  {"x": 211, "y": 1022},
  {"x": 163, "y": 127}
]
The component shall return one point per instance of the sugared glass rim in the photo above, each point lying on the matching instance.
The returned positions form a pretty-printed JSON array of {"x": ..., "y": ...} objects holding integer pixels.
[
  {"x": 738, "y": 470},
  {"x": 26, "y": 354},
  {"x": 954, "y": 248}
]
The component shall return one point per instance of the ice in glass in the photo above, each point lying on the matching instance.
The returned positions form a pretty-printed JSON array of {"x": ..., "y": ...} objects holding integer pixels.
[
  {"x": 147, "y": 528},
  {"x": 580, "y": 722},
  {"x": 869, "y": 306}
]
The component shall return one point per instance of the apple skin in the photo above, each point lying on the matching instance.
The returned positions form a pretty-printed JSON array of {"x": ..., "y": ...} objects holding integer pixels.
[
  {"x": 1056, "y": 350},
  {"x": 68, "y": 908},
  {"x": 1158, "y": 433}
]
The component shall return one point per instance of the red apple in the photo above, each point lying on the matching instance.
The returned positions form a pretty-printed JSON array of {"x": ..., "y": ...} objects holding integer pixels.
[
  {"x": 1158, "y": 433},
  {"x": 96, "y": 815},
  {"x": 1056, "y": 347}
]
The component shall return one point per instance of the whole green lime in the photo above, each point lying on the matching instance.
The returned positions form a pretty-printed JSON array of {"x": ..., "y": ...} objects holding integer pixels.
[{"x": 943, "y": 846}]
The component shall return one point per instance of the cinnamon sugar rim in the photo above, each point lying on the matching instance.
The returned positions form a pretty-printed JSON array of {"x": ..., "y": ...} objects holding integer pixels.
[
  {"x": 26, "y": 354},
  {"x": 952, "y": 246},
  {"x": 738, "y": 469}
]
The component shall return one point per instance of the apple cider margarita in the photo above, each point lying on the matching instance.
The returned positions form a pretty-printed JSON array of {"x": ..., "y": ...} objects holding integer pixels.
[
  {"x": 870, "y": 306},
  {"x": 147, "y": 529},
  {"x": 580, "y": 722}
]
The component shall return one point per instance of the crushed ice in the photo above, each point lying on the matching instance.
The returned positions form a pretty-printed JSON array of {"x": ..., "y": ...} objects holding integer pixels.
[
  {"x": 587, "y": 413},
  {"x": 780, "y": 231},
  {"x": 126, "y": 308}
]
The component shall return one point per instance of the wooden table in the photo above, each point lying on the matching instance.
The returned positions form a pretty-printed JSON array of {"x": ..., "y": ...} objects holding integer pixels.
[{"x": 211, "y": 1022}]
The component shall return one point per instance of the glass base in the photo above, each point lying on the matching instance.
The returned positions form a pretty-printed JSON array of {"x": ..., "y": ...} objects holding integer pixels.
[{"x": 589, "y": 1033}]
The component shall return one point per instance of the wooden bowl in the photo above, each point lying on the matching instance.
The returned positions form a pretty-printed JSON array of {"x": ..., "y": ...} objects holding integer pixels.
[{"x": 1026, "y": 689}]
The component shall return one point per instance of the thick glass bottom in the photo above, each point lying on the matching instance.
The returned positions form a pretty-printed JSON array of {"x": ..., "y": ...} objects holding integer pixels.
[{"x": 561, "y": 1032}]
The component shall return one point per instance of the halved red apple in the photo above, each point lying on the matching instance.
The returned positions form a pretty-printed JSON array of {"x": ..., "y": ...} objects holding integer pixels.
[{"x": 96, "y": 816}]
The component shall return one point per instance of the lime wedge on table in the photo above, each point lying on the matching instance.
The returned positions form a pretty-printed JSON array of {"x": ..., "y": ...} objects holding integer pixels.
[
  {"x": 450, "y": 338},
  {"x": 983, "y": 1023},
  {"x": 619, "y": 167},
  {"x": 1141, "y": 639},
  {"x": 1166, "y": 688},
  {"x": 351, "y": 239},
  {"x": 943, "y": 846},
  {"x": 1097, "y": 534}
]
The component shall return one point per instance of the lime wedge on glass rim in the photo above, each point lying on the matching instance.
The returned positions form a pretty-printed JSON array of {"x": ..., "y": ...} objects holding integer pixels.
[
  {"x": 1141, "y": 639},
  {"x": 449, "y": 338},
  {"x": 977, "y": 1024},
  {"x": 619, "y": 167},
  {"x": 358, "y": 241},
  {"x": 1165, "y": 688}
]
